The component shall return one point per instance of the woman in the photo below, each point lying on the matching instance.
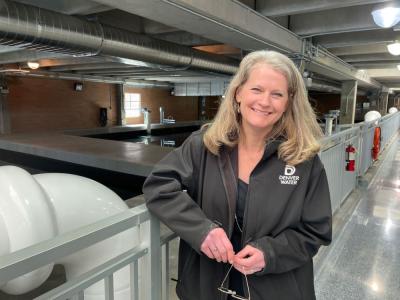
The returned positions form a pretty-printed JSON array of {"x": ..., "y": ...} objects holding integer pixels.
[{"x": 248, "y": 194}]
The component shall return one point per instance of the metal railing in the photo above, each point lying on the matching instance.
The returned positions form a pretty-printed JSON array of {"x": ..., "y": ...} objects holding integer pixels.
[
  {"x": 150, "y": 277},
  {"x": 153, "y": 271},
  {"x": 341, "y": 182},
  {"x": 361, "y": 136}
]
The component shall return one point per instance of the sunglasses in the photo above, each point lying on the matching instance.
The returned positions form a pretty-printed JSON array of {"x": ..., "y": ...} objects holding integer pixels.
[{"x": 233, "y": 294}]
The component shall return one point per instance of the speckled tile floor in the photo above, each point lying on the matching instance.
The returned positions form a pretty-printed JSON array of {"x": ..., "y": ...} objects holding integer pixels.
[{"x": 364, "y": 260}]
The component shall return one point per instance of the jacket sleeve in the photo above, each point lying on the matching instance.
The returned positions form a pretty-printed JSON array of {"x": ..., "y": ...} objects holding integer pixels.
[
  {"x": 295, "y": 246},
  {"x": 169, "y": 189}
]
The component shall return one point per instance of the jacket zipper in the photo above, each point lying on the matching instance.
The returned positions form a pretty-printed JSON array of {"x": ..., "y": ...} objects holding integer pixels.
[{"x": 244, "y": 242}]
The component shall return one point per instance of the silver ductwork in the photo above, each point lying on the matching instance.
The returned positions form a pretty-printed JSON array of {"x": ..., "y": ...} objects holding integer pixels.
[{"x": 39, "y": 29}]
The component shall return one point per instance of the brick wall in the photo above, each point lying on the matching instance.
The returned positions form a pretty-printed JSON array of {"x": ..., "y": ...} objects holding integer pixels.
[
  {"x": 46, "y": 104},
  {"x": 180, "y": 108}
]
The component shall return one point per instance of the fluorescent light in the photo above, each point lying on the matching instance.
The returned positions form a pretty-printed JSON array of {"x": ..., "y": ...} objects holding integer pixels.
[
  {"x": 33, "y": 65},
  {"x": 386, "y": 17},
  {"x": 394, "y": 48}
]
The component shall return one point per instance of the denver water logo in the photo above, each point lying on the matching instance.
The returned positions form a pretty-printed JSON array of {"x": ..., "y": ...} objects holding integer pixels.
[{"x": 289, "y": 177}]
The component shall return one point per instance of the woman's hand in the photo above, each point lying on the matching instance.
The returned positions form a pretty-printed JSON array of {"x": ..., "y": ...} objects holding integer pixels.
[
  {"x": 217, "y": 246},
  {"x": 249, "y": 260}
]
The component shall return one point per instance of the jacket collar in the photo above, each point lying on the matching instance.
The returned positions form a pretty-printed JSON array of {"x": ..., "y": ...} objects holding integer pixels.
[
  {"x": 228, "y": 166},
  {"x": 271, "y": 147}
]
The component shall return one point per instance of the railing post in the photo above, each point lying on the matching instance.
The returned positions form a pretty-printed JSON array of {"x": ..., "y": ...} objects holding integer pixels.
[
  {"x": 360, "y": 150},
  {"x": 155, "y": 259}
]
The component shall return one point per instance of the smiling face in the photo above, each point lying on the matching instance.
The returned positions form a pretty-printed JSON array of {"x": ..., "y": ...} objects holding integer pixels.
[{"x": 263, "y": 99}]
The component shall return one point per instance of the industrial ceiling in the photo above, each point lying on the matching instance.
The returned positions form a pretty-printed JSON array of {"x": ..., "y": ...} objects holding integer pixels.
[{"x": 162, "y": 42}]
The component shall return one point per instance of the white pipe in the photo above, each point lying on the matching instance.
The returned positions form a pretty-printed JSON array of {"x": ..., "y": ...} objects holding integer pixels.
[
  {"x": 28, "y": 219},
  {"x": 70, "y": 201},
  {"x": 4, "y": 240}
]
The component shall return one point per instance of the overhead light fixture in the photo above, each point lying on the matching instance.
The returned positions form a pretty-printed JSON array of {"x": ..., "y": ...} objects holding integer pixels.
[
  {"x": 386, "y": 17},
  {"x": 33, "y": 65},
  {"x": 394, "y": 48}
]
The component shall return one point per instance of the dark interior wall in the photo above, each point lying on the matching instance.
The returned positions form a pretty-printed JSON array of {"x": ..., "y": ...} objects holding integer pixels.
[
  {"x": 323, "y": 102},
  {"x": 47, "y": 104},
  {"x": 212, "y": 105},
  {"x": 179, "y": 108}
]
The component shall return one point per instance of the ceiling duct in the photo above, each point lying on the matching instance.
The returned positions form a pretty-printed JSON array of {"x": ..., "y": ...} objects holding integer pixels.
[{"x": 31, "y": 27}]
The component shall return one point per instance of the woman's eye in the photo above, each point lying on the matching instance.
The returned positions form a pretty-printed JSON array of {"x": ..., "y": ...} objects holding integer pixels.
[
  {"x": 256, "y": 89},
  {"x": 278, "y": 95}
]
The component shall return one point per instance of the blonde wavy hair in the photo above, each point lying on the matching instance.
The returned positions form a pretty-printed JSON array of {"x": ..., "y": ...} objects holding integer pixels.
[{"x": 298, "y": 125}]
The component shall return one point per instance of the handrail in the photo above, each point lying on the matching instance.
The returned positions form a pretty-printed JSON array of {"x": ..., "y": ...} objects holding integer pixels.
[
  {"x": 334, "y": 139},
  {"x": 30, "y": 258},
  {"x": 71, "y": 287}
]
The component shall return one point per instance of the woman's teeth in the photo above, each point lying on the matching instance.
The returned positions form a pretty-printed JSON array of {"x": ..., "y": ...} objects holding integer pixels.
[{"x": 261, "y": 112}]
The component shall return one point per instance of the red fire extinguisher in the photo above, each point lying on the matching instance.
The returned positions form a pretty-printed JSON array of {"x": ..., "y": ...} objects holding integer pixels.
[
  {"x": 350, "y": 158},
  {"x": 377, "y": 143}
]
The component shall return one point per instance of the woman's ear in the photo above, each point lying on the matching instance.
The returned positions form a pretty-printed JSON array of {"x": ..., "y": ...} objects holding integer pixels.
[{"x": 237, "y": 93}]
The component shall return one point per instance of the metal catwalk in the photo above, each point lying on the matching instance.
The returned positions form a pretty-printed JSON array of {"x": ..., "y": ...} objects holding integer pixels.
[{"x": 364, "y": 260}]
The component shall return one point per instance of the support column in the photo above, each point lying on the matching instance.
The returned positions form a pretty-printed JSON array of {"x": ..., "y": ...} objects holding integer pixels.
[
  {"x": 348, "y": 102},
  {"x": 397, "y": 102},
  {"x": 202, "y": 108},
  {"x": 384, "y": 103},
  {"x": 4, "y": 113},
  {"x": 120, "y": 105},
  {"x": 391, "y": 101}
]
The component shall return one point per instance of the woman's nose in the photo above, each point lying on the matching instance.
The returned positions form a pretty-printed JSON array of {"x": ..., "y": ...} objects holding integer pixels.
[{"x": 265, "y": 99}]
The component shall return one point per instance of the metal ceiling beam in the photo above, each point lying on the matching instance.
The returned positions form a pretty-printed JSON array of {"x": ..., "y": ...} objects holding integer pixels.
[
  {"x": 357, "y": 38},
  {"x": 360, "y": 49},
  {"x": 376, "y": 57},
  {"x": 183, "y": 38},
  {"x": 356, "y": 18},
  {"x": 392, "y": 84},
  {"x": 384, "y": 73},
  {"x": 235, "y": 24},
  {"x": 325, "y": 63},
  {"x": 375, "y": 65},
  {"x": 224, "y": 21},
  {"x": 273, "y": 8}
]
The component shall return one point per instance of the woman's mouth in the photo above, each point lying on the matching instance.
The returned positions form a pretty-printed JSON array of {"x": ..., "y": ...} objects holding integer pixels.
[{"x": 265, "y": 113}]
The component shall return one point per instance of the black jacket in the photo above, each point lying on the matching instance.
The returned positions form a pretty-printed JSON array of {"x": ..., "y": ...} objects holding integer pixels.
[{"x": 288, "y": 216}]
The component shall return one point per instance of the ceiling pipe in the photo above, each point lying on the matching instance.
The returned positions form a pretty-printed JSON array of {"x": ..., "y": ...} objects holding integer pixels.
[{"x": 39, "y": 29}]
